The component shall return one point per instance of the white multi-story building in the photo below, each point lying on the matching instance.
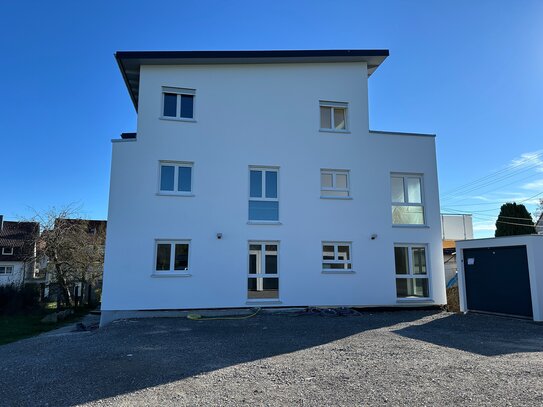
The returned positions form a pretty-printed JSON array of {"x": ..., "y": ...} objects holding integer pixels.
[{"x": 254, "y": 180}]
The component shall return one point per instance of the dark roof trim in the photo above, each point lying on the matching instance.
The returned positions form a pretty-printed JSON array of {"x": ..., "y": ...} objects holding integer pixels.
[
  {"x": 130, "y": 61},
  {"x": 128, "y": 136},
  {"x": 399, "y": 133}
]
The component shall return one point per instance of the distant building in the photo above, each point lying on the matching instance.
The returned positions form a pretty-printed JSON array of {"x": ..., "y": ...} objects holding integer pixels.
[
  {"x": 454, "y": 227},
  {"x": 539, "y": 225},
  {"x": 17, "y": 252}
]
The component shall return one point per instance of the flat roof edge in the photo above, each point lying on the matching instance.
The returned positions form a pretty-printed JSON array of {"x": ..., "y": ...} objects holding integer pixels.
[{"x": 400, "y": 133}]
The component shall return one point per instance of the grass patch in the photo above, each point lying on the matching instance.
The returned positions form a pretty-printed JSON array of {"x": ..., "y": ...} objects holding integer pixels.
[{"x": 16, "y": 327}]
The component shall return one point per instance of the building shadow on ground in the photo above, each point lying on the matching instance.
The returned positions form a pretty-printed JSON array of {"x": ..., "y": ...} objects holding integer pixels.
[
  {"x": 133, "y": 355},
  {"x": 486, "y": 335}
]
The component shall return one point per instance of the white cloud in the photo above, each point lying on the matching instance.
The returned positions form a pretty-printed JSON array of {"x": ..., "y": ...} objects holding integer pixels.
[
  {"x": 534, "y": 185},
  {"x": 480, "y": 226},
  {"x": 529, "y": 159}
]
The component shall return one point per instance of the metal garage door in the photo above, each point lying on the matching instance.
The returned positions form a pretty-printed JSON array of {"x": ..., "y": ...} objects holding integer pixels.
[{"x": 497, "y": 280}]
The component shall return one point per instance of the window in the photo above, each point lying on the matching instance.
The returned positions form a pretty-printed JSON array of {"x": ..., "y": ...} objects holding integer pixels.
[
  {"x": 407, "y": 204},
  {"x": 333, "y": 116},
  {"x": 176, "y": 178},
  {"x": 263, "y": 194},
  {"x": 7, "y": 251},
  {"x": 411, "y": 271},
  {"x": 336, "y": 257},
  {"x": 172, "y": 256},
  {"x": 263, "y": 278},
  {"x": 334, "y": 183},
  {"x": 6, "y": 270},
  {"x": 178, "y": 103}
]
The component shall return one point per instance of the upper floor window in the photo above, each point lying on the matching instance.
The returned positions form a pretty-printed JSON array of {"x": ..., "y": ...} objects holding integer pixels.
[
  {"x": 263, "y": 194},
  {"x": 7, "y": 251},
  {"x": 176, "y": 178},
  {"x": 178, "y": 103},
  {"x": 333, "y": 116},
  {"x": 335, "y": 183},
  {"x": 6, "y": 270},
  {"x": 407, "y": 202}
]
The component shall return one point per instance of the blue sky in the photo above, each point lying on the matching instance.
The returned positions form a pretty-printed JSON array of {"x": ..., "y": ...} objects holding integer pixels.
[{"x": 469, "y": 71}]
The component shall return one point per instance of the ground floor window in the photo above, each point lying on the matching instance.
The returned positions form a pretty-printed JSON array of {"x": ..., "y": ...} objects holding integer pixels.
[
  {"x": 336, "y": 256},
  {"x": 263, "y": 277},
  {"x": 6, "y": 270},
  {"x": 172, "y": 255},
  {"x": 411, "y": 271}
]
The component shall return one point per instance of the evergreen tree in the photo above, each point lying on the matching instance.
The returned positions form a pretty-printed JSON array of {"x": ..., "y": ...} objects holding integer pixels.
[{"x": 514, "y": 220}]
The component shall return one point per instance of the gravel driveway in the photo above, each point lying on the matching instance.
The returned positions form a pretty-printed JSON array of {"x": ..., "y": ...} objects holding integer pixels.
[{"x": 393, "y": 358}]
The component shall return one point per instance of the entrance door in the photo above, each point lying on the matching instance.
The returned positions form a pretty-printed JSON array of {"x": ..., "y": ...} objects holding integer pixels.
[{"x": 497, "y": 280}]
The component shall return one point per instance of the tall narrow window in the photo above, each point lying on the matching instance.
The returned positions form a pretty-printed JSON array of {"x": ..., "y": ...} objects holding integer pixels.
[
  {"x": 407, "y": 202},
  {"x": 178, "y": 103},
  {"x": 336, "y": 257},
  {"x": 176, "y": 178},
  {"x": 335, "y": 183},
  {"x": 333, "y": 116},
  {"x": 263, "y": 194},
  {"x": 172, "y": 256},
  {"x": 411, "y": 271},
  {"x": 263, "y": 277}
]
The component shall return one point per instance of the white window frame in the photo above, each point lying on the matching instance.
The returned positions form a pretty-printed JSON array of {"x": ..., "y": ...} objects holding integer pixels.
[
  {"x": 5, "y": 251},
  {"x": 5, "y": 268},
  {"x": 410, "y": 274},
  {"x": 262, "y": 273},
  {"x": 172, "y": 272},
  {"x": 406, "y": 197},
  {"x": 176, "y": 164},
  {"x": 336, "y": 258},
  {"x": 334, "y": 173},
  {"x": 333, "y": 106},
  {"x": 178, "y": 92},
  {"x": 263, "y": 196}
]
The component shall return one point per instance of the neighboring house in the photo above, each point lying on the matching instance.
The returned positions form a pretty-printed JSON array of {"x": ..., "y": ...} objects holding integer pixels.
[
  {"x": 453, "y": 228},
  {"x": 17, "y": 249},
  {"x": 254, "y": 180}
]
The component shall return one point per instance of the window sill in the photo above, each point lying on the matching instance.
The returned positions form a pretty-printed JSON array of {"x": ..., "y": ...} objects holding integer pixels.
[
  {"x": 263, "y": 222},
  {"x": 411, "y": 226},
  {"x": 338, "y": 272},
  {"x": 177, "y": 119},
  {"x": 415, "y": 300},
  {"x": 344, "y": 198},
  {"x": 175, "y": 194},
  {"x": 159, "y": 274},
  {"x": 334, "y": 131},
  {"x": 264, "y": 301}
]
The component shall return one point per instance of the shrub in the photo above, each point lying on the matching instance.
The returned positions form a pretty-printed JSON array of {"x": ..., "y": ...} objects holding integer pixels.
[{"x": 18, "y": 299}]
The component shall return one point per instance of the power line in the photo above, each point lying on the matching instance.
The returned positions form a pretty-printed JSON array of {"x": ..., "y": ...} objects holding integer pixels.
[{"x": 489, "y": 176}]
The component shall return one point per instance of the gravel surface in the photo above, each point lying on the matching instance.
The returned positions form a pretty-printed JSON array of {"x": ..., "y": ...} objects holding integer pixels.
[{"x": 421, "y": 358}]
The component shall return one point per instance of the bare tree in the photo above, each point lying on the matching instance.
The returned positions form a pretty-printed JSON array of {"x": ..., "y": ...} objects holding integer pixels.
[{"x": 73, "y": 252}]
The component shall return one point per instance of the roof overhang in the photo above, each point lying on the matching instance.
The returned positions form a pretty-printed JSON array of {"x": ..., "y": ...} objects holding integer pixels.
[{"x": 131, "y": 61}]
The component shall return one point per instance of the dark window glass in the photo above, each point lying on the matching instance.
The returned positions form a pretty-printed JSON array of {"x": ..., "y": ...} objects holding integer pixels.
[
  {"x": 181, "y": 256},
  {"x": 167, "y": 173},
  {"x": 183, "y": 180},
  {"x": 163, "y": 254},
  {"x": 271, "y": 184},
  {"x": 263, "y": 288},
  {"x": 412, "y": 287},
  {"x": 328, "y": 252},
  {"x": 256, "y": 184},
  {"x": 263, "y": 210},
  {"x": 335, "y": 266},
  {"x": 170, "y": 104},
  {"x": 187, "y": 106},
  {"x": 271, "y": 263},
  {"x": 401, "y": 259}
]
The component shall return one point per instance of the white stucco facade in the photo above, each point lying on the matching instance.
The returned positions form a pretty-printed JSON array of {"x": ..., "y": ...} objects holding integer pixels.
[
  {"x": 263, "y": 115},
  {"x": 15, "y": 276}
]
